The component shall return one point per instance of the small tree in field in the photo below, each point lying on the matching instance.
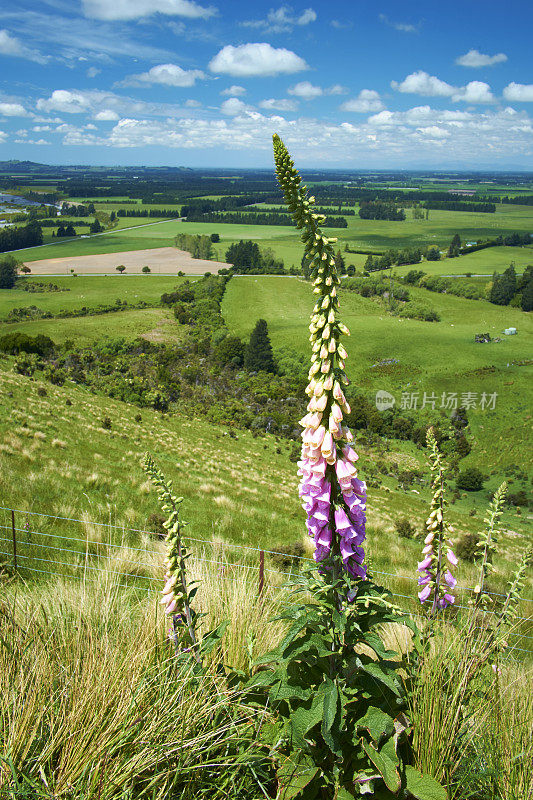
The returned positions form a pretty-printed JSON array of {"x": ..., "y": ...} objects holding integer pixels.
[
  {"x": 146, "y": 270},
  {"x": 258, "y": 354},
  {"x": 26, "y": 270},
  {"x": 121, "y": 268},
  {"x": 8, "y": 272}
]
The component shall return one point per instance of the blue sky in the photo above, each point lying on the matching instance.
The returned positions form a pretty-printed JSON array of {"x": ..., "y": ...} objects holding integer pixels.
[{"x": 346, "y": 84}]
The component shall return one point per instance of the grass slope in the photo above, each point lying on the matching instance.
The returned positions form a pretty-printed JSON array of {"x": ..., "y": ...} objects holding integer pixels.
[{"x": 57, "y": 459}]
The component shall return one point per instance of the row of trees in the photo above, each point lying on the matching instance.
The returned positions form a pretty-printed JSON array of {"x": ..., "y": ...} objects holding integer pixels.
[
  {"x": 198, "y": 246},
  {"x": 247, "y": 257},
  {"x": 410, "y": 255},
  {"x": 30, "y": 235},
  {"x": 377, "y": 210},
  {"x": 172, "y": 213},
  {"x": 257, "y": 218},
  {"x": 507, "y": 289},
  {"x": 461, "y": 205}
]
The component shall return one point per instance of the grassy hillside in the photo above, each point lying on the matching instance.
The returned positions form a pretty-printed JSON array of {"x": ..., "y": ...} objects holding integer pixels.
[
  {"x": 57, "y": 458},
  {"x": 433, "y": 357}
]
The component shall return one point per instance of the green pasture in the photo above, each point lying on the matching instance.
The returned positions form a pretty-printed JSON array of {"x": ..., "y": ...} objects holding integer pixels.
[
  {"x": 89, "y": 291},
  {"x": 433, "y": 357},
  {"x": 153, "y": 323}
]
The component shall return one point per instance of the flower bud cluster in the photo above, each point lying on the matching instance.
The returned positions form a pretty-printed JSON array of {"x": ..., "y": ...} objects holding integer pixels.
[{"x": 332, "y": 495}]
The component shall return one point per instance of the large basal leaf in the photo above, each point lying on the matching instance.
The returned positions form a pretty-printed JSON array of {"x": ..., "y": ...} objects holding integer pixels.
[
  {"x": 294, "y": 774},
  {"x": 386, "y": 768},
  {"x": 377, "y": 723},
  {"x": 423, "y": 787},
  {"x": 377, "y": 673},
  {"x": 303, "y": 719},
  {"x": 331, "y": 709}
]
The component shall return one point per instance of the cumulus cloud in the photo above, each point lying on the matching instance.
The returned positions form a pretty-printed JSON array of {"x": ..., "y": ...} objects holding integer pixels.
[
  {"x": 3, "y": 136},
  {"x": 233, "y": 91},
  {"x": 106, "y": 115},
  {"x": 366, "y": 101},
  {"x": 404, "y": 27},
  {"x": 279, "y": 105},
  {"x": 434, "y": 132},
  {"x": 11, "y": 46},
  {"x": 64, "y": 101},
  {"x": 281, "y": 20},
  {"x": 306, "y": 90},
  {"x": 489, "y": 137},
  {"x": 135, "y": 9},
  {"x": 93, "y": 101},
  {"x": 166, "y": 75},
  {"x": 12, "y": 110},
  {"x": 519, "y": 92},
  {"x": 476, "y": 59},
  {"x": 422, "y": 83},
  {"x": 257, "y": 59},
  {"x": 475, "y": 92},
  {"x": 233, "y": 106}
]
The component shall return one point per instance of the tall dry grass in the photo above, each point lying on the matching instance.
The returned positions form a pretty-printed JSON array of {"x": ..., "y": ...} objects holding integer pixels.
[{"x": 92, "y": 704}]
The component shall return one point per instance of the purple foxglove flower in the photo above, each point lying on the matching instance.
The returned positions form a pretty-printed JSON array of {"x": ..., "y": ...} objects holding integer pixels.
[
  {"x": 452, "y": 558},
  {"x": 425, "y": 563},
  {"x": 424, "y": 594},
  {"x": 450, "y": 580}
]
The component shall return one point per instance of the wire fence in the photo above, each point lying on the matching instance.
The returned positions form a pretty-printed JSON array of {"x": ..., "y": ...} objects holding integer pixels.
[{"x": 38, "y": 544}]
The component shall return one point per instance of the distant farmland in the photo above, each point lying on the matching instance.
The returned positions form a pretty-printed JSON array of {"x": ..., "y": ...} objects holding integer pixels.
[{"x": 161, "y": 260}]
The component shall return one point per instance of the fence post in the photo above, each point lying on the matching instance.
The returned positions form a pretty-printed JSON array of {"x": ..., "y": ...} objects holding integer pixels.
[
  {"x": 261, "y": 571},
  {"x": 13, "y": 531}
]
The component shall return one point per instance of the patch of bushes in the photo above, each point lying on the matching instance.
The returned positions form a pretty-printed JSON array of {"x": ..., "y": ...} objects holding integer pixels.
[
  {"x": 405, "y": 528},
  {"x": 470, "y": 480},
  {"x": 17, "y": 342}
]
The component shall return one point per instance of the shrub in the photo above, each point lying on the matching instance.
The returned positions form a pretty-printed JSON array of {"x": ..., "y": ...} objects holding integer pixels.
[
  {"x": 288, "y": 556},
  {"x": 41, "y": 391},
  {"x": 106, "y": 423},
  {"x": 470, "y": 480},
  {"x": 18, "y": 342},
  {"x": 467, "y": 546},
  {"x": 405, "y": 528},
  {"x": 26, "y": 364},
  {"x": 414, "y": 310}
]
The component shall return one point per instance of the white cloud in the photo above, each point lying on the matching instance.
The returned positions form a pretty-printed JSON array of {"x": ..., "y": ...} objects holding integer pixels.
[
  {"x": 476, "y": 59},
  {"x": 337, "y": 89},
  {"x": 306, "y": 90},
  {"x": 519, "y": 92},
  {"x": 3, "y": 136},
  {"x": 257, "y": 59},
  {"x": 92, "y": 72},
  {"x": 404, "y": 27},
  {"x": 11, "y": 46},
  {"x": 192, "y": 104},
  {"x": 12, "y": 110},
  {"x": 367, "y": 100},
  {"x": 64, "y": 101},
  {"x": 278, "y": 105},
  {"x": 31, "y": 141},
  {"x": 483, "y": 138},
  {"x": 383, "y": 118},
  {"x": 106, "y": 115},
  {"x": 341, "y": 25},
  {"x": 475, "y": 92},
  {"x": 233, "y": 106},
  {"x": 282, "y": 20},
  {"x": 233, "y": 91},
  {"x": 430, "y": 86},
  {"x": 434, "y": 132},
  {"x": 135, "y": 9},
  {"x": 422, "y": 83},
  {"x": 167, "y": 75}
]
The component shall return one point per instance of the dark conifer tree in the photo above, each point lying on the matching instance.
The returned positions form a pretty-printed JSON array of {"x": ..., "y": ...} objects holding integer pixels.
[
  {"x": 527, "y": 296},
  {"x": 8, "y": 272},
  {"x": 258, "y": 354}
]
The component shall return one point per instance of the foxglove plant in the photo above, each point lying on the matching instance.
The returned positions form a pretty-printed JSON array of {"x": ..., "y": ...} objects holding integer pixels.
[
  {"x": 436, "y": 579},
  {"x": 337, "y": 692},
  {"x": 177, "y": 594},
  {"x": 332, "y": 494}
]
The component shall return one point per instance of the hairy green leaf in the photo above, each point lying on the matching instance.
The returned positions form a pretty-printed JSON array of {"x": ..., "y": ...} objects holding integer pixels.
[{"x": 423, "y": 787}]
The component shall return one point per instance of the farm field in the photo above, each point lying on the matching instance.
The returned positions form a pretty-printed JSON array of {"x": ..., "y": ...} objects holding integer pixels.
[
  {"x": 161, "y": 260},
  {"x": 360, "y": 234},
  {"x": 89, "y": 292},
  {"x": 433, "y": 357}
]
